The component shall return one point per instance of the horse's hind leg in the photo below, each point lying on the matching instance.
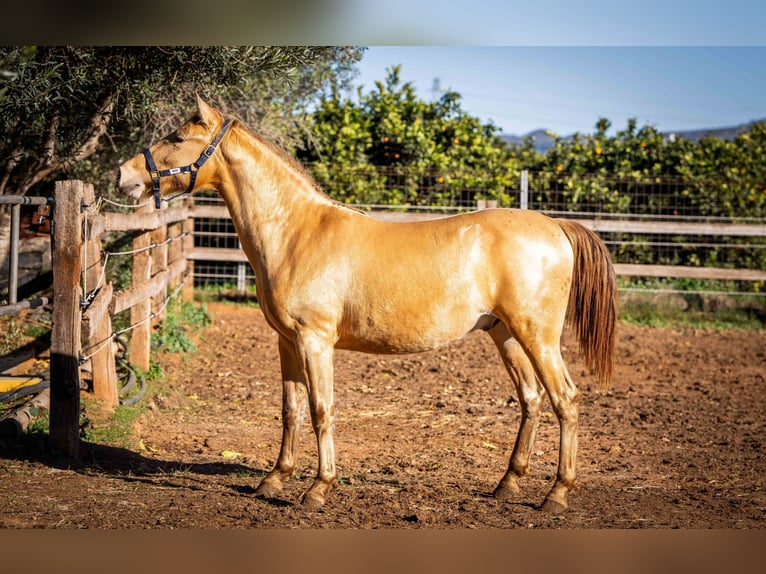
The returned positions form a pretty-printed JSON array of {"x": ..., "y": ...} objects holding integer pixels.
[
  {"x": 565, "y": 399},
  {"x": 530, "y": 394},
  {"x": 293, "y": 411}
]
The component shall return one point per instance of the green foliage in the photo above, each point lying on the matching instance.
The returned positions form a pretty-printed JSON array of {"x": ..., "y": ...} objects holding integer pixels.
[
  {"x": 110, "y": 427},
  {"x": 642, "y": 171},
  {"x": 389, "y": 147},
  {"x": 57, "y": 103},
  {"x": 180, "y": 319},
  {"x": 392, "y": 148},
  {"x": 40, "y": 423},
  {"x": 688, "y": 302},
  {"x": 97, "y": 425},
  {"x": 12, "y": 334}
]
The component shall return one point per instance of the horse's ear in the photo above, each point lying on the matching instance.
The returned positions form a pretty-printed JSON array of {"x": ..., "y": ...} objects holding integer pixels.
[{"x": 206, "y": 112}]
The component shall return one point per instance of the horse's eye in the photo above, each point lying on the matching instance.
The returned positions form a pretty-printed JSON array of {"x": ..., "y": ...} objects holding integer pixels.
[{"x": 175, "y": 137}]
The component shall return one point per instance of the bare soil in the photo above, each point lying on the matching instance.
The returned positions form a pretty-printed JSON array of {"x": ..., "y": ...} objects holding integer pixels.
[{"x": 421, "y": 441}]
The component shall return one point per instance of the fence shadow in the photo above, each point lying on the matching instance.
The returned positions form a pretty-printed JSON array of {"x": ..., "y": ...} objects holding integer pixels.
[{"x": 121, "y": 463}]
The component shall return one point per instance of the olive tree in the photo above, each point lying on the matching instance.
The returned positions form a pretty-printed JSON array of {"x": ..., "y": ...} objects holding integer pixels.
[{"x": 69, "y": 111}]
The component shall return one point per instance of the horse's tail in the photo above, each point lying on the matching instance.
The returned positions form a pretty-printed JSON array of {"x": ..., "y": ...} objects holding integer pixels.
[{"x": 592, "y": 309}]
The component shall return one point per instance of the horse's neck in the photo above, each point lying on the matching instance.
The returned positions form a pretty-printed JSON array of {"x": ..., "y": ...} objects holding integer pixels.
[{"x": 269, "y": 199}]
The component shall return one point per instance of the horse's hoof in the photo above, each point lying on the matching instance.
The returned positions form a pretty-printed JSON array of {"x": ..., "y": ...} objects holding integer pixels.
[
  {"x": 268, "y": 489},
  {"x": 508, "y": 487},
  {"x": 317, "y": 495},
  {"x": 312, "y": 500},
  {"x": 552, "y": 506},
  {"x": 503, "y": 492}
]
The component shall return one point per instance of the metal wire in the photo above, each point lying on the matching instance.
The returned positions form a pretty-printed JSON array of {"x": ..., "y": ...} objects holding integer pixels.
[
  {"x": 692, "y": 291},
  {"x": 103, "y": 344},
  {"x": 126, "y": 205},
  {"x": 90, "y": 295}
]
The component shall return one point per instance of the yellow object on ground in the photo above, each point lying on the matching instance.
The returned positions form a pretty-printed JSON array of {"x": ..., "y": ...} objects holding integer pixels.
[{"x": 9, "y": 383}]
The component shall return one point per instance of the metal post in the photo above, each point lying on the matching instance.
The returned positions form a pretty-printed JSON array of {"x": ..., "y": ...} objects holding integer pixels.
[
  {"x": 524, "y": 190},
  {"x": 13, "y": 276},
  {"x": 241, "y": 278},
  {"x": 241, "y": 274}
]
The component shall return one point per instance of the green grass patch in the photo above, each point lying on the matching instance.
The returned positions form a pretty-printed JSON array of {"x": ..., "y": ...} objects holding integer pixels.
[
  {"x": 181, "y": 319},
  {"x": 109, "y": 427},
  {"x": 223, "y": 294},
  {"x": 97, "y": 424},
  {"x": 691, "y": 303}
]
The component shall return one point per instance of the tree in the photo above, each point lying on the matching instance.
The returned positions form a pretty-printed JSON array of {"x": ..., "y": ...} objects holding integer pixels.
[
  {"x": 392, "y": 147},
  {"x": 58, "y": 103}
]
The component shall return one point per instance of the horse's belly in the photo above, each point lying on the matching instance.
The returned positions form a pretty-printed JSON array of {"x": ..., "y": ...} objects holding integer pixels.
[
  {"x": 391, "y": 346},
  {"x": 407, "y": 334}
]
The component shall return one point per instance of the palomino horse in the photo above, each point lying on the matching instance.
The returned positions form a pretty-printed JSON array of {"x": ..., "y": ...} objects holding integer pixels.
[{"x": 328, "y": 276}]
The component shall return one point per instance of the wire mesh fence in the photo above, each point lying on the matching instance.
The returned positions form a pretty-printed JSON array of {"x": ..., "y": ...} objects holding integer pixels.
[
  {"x": 691, "y": 222},
  {"x": 644, "y": 197},
  {"x": 219, "y": 233}
]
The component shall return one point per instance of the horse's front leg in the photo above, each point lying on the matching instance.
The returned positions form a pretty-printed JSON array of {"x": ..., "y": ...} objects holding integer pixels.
[
  {"x": 293, "y": 411},
  {"x": 316, "y": 353}
]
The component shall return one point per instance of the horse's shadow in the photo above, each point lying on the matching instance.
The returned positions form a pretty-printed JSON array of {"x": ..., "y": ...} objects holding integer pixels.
[{"x": 130, "y": 466}]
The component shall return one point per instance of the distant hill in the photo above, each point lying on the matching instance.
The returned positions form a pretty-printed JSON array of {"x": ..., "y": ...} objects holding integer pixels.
[{"x": 543, "y": 141}]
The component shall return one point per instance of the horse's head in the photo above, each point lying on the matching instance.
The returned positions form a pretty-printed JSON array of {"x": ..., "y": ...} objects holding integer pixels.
[{"x": 170, "y": 167}]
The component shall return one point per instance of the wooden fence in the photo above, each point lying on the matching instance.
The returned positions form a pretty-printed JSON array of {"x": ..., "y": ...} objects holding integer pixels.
[{"x": 85, "y": 303}]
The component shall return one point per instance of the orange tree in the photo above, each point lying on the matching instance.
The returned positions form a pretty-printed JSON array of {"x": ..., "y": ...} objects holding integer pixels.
[
  {"x": 391, "y": 147},
  {"x": 728, "y": 178},
  {"x": 642, "y": 171}
]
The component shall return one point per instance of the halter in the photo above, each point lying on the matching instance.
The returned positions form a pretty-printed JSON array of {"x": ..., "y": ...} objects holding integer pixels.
[{"x": 191, "y": 169}]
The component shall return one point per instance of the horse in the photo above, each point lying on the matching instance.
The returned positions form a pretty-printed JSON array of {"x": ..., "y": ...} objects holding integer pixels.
[{"x": 329, "y": 276}]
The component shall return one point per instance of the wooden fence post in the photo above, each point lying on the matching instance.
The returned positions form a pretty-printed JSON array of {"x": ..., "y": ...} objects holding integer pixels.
[
  {"x": 105, "y": 385},
  {"x": 159, "y": 262},
  {"x": 140, "y": 337},
  {"x": 66, "y": 241},
  {"x": 92, "y": 248},
  {"x": 188, "y": 246}
]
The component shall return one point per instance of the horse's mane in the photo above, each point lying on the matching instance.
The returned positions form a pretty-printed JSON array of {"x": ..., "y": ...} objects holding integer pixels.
[{"x": 293, "y": 164}]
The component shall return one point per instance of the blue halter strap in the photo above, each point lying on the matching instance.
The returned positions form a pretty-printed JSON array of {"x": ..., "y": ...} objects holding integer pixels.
[{"x": 192, "y": 169}]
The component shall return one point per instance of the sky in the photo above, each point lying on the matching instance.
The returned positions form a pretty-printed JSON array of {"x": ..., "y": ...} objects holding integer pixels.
[
  {"x": 547, "y": 22},
  {"x": 566, "y": 89},
  {"x": 522, "y": 64}
]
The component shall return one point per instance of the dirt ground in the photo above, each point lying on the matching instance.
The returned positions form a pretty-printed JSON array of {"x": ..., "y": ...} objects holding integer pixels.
[{"x": 421, "y": 441}]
